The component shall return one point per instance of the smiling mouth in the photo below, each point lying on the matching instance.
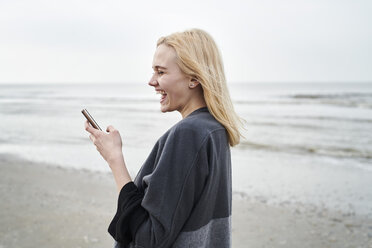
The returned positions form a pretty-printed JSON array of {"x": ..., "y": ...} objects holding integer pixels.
[{"x": 163, "y": 95}]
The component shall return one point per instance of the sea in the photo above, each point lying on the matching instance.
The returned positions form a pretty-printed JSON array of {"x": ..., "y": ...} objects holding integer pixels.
[{"x": 304, "y": 143}]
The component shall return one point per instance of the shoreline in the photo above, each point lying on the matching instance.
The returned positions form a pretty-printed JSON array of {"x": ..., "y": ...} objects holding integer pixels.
[{"x": 47, "y": 206}]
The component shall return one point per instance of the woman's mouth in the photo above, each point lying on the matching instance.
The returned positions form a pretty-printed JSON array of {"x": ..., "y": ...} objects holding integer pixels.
[{"x": 163, "y": 95}]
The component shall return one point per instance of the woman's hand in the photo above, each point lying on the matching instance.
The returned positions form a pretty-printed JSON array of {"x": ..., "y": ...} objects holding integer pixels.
[{"x": 109, "y": 146}]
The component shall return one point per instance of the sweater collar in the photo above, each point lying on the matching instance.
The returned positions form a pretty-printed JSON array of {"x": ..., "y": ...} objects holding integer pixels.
[{"x": 203, "y": 109}]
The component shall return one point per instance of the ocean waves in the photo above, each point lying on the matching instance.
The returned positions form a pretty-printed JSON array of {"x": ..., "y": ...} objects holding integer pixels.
[
  {"x": 288, "y": 119},
  {"x": 350, "y": 100},
  {"x": 329, "y": 151},
  {"x": 360, "y": 100}
]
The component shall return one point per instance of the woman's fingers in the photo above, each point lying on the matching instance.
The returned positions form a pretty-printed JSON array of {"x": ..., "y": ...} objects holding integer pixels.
[
  {"x": 108, "y": 144},
  {"x": 91, "y": 129},
  {"x": 87, "y": 126}
]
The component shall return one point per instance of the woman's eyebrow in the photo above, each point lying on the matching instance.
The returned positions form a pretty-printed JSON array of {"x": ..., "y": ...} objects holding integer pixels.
[{"x": 159, "y": 67}]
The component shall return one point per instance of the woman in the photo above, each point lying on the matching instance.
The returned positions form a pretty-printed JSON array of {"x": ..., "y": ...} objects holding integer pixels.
[{"x": 181, "y": 197}]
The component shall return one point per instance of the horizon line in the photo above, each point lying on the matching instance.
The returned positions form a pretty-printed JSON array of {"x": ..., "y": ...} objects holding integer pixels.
[{"x": 138, "y": 82}]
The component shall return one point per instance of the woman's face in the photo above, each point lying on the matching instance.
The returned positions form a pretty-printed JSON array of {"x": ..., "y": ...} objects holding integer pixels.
[{"x": 169, "y": 81}]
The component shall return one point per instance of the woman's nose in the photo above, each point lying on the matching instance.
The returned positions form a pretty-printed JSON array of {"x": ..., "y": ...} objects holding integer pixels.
[{"x": 153, "y": 82}]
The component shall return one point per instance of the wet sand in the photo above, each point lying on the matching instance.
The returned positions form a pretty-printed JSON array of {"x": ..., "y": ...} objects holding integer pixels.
[{"x": 47, "y": 206}]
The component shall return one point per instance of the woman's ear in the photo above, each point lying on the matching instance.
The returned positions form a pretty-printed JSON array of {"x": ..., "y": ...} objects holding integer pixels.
[{"x": 193, "y": 83}]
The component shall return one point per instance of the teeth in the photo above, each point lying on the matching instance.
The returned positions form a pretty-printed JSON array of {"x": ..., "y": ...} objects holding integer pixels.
[{"x": 160, "y": 92}]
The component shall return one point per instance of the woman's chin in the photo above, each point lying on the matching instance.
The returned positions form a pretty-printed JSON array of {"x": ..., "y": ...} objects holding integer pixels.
[{"x": 163, "y": 108}]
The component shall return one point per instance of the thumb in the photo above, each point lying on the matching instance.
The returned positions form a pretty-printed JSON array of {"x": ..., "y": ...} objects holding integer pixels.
[{"x": 110, "y": 129}]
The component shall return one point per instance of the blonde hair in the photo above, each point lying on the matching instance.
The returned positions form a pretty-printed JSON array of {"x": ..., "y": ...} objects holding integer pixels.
[{"x": 199, "y": 58}]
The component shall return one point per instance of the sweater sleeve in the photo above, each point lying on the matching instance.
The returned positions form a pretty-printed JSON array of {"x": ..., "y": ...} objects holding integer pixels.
[
  {"x": 129, "y": 214},
  {"x": 155, "y": 218}
]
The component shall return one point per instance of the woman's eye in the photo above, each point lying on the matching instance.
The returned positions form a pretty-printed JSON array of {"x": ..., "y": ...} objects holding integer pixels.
[{"x": 160, "y": 72}]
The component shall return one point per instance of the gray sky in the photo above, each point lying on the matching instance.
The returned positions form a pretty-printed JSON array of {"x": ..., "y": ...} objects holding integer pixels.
[{"x": 114, "y": 41}]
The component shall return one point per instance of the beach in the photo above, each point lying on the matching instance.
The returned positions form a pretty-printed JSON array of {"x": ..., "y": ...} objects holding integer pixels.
[{"x": 50, "y": 206}]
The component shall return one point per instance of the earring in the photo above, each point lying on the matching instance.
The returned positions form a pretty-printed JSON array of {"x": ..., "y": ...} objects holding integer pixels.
[{"x": 191, "y": 85}]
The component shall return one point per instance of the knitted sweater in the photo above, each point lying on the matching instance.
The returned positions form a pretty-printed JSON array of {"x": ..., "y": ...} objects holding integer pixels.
[{"x": 181, "y": 197}]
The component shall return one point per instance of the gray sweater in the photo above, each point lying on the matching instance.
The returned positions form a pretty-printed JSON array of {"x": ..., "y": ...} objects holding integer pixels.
[{"x": 181, "y": 197}]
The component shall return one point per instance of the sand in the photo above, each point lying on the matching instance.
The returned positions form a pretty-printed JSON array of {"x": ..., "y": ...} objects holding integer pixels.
[{"x": 47, "y": 206}]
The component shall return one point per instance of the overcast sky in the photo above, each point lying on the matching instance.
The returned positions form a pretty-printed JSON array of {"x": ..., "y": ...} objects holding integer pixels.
[{"x": 114, "y": 41}]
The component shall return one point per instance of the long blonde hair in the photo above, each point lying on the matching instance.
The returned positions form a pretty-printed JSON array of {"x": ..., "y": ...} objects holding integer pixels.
[{"x": 199, "y": 58}]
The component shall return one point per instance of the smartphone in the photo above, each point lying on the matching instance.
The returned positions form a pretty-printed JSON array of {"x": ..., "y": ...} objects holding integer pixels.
[{"x": 90, "y": 119}]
